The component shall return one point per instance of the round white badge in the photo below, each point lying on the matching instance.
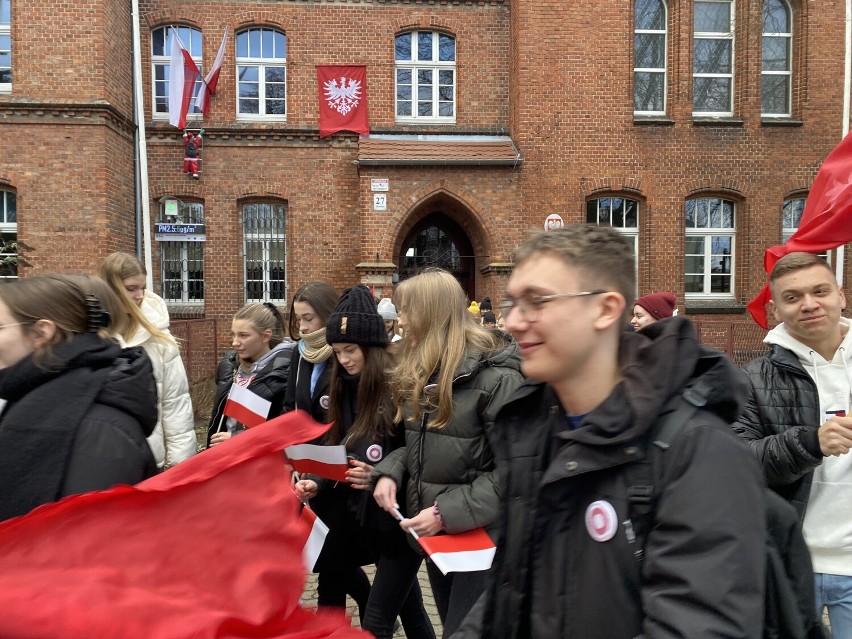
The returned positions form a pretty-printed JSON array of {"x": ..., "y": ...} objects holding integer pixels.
[
  {"x": 374, "y": 453},
  {"x": 601, "y": 520},
  {"x": 324, "y": 402}
]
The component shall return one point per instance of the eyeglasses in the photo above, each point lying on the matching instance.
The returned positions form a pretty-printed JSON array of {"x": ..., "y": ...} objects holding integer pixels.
[
  {"x": 530, "y": 305},
  {"x": 2, "y": 326}
]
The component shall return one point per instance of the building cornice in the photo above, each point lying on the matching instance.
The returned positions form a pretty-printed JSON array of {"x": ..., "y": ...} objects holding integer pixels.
[{"x": 64, "y": 112}]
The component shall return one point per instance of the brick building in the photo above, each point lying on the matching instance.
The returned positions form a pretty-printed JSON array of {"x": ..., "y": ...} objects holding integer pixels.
[{"x": 694, "y": 126}]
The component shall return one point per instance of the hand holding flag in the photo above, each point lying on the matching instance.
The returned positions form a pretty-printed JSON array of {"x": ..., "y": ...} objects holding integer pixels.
[
  {"x": 325, "y": 461},
  {"x": 246, "y": 406}
]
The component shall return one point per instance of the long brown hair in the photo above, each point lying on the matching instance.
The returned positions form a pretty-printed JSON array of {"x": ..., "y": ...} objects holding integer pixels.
[
  {"x": 439, "y": 332},
  {"x": 375, "y": 417},
  {"x": 322, "y": 298}
]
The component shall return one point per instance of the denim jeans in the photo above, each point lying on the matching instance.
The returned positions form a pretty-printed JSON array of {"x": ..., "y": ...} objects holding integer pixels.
[
  {"x": 835, "y": 591},
  {"x": 455, "y": 593}
]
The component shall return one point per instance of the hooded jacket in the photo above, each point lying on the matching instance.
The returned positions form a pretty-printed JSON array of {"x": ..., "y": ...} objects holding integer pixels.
[
  {"x": 78, "y": 427},
  {"x": 454, "y": 465},
  {"x": 793, "y": 390},
  {"x": 173, "y": 439},
  {"x": 565, "y": 564}
]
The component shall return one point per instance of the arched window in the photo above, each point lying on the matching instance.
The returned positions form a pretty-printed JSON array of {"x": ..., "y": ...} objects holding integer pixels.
[
  {"x": 777, "y": 59},
  {"x": 649, "y": 57},
  {"x": 425, "y": 77},
  {"x": 622, "y": 214},
  {"x": 8, "y": 236},
  {"x": 261, "y": 74},
  {"x": 713, "y": 58},
  {"x": 161, "y": 51},
  {"x": 5, "y": 46},
  {"x": 791, "y": 217},
  {"x": 264, "y": 237},
  {"x": 710, "y": 246}
]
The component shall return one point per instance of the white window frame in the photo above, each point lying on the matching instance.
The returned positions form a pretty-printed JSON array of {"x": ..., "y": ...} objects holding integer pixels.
[
  {"x": 714, "y": 35},
  {"x": 261, "y": 63},
  {"x": 190, "y": 213},
  {"x": 788, "y": 72},
  {"x": 708, "y": 232},
  {"x": 637, "y": 32},
  {"x": 436, "y": 66},
  {"x": 6, "y": 32},
  {"x": 630, "y": 233},
  {"x": 192, "y": 40},
  {"x": 276, "y": 232},
  {"x": 8, "y": 228},
  {"x": 791, "y": 214}
]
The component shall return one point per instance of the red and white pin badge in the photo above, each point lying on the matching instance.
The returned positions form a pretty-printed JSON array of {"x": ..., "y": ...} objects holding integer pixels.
[{"x": 601, "y": 520}]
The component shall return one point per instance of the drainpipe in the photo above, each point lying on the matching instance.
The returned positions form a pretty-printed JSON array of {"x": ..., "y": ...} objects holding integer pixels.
[
  {"x": 847, "y": 90},
  {"x": 143, "y": 206}
]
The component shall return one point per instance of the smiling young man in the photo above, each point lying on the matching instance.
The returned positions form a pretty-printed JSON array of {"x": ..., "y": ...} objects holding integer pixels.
[
  {"x": 796, "y": 420},
  {"x": 573, "y": 559}
]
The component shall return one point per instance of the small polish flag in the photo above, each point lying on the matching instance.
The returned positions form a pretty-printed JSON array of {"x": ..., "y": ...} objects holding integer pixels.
[
  {"x": 317, "y": 531},
  {"x": 469, "y": 551},
  {"x": 211, "y": 81},
  {"x": 247, "y": 407},
  {"x": 326, "y": 461},
  {"x": 183, "y": 72}
]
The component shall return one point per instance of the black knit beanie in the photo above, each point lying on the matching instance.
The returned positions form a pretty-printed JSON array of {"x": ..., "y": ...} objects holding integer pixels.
[{"x": 355, "y": 320}]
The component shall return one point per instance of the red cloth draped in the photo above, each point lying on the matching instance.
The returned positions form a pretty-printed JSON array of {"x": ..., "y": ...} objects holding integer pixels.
[{"x": 342, "y": 99}]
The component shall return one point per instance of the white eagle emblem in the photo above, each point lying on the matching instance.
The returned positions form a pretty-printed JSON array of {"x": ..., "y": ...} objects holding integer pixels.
[{"x": 343, "y": 96}]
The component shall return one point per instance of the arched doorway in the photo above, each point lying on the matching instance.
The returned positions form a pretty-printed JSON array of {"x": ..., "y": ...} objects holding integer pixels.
[{"x": 438, "y": 240}]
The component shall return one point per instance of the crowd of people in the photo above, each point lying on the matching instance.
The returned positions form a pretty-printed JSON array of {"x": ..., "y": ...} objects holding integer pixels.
[{"x": 557, "y": 424}]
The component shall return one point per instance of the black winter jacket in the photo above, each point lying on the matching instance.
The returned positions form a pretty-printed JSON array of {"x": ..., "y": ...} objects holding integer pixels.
[
  {"x": 270, "y": 382},
  {"x": 299, "y": 388},
  {"x": 703, "y": 569},
  {"x": 780, "y": 422}
]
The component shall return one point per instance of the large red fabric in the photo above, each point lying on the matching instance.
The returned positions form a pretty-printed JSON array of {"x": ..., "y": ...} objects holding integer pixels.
[
  {"x": 212, "y": 548},
  {"x": 826, "y": 221},
  {"x": 343, "y": 99}
]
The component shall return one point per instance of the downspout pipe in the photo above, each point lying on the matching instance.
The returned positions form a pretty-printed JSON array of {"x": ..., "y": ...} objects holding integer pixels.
[
  {"x": 143, "y": 204},
  {"x": 847, "y": 96}
]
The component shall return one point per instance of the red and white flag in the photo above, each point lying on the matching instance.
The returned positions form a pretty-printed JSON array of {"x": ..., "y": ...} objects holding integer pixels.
[
  {"x": 469, "y": 551},
  {"x": 246, "y": 407},
  {"x": 343, "y": 99},
  {"x": 325, "y": 461},
  {"x": 211, "y": 81},
  {"x": 317, "y": 532},
  {"x": 183, "y": 72}
]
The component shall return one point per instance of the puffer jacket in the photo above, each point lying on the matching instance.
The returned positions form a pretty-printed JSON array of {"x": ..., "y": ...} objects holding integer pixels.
[
  {"x": 703, "y": 569},
  {"x": 780, "y": 422},
  {"x": 269, "y": 382},
  {"x": 173, "y": 439},
  {"x": 454, "y": 465}
]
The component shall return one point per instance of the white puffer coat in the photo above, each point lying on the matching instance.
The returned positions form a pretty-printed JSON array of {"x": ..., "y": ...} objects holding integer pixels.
[{"x": 173, "y": 439}]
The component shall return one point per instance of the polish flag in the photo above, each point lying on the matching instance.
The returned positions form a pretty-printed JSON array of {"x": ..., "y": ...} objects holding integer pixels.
[
  {"x": 183, "y": 73},
  {"x": 208, "y": 87},
  {"x": 247, "y": 407},
  {"x": 469, "y": 551},
  {"x": 317, "y": 532},
  {"x": 326, "y": 461}
]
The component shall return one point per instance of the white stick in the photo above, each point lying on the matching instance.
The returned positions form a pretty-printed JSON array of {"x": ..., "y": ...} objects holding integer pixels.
[{"x": 399, "y": 516}]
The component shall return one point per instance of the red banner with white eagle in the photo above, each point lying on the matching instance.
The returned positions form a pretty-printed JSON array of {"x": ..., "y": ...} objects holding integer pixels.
[{"x": 343, "y": 99}]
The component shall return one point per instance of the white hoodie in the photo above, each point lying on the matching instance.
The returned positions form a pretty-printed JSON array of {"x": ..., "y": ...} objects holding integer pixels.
[
  {"x": 173, "y": 439},
  {"x": 828, "y": 518}
]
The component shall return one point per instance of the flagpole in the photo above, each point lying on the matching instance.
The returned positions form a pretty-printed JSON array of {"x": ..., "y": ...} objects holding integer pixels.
[
  {"x": 847, "y": 96},
  {"x": 141, "y": 149}
]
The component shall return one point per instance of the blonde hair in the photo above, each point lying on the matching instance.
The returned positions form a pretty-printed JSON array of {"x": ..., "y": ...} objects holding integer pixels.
[
  {"x": 439, "y": 332},
  {"x": 262, "y": 317},
  {"x": 116, "y": 268}
]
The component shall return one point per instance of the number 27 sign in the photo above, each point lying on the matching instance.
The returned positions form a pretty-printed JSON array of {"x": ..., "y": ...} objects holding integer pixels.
[{"x": 380, "y": 202}]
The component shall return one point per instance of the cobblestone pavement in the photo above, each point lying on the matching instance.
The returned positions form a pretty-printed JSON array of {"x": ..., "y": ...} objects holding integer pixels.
[{"x": 309, "y": 598}]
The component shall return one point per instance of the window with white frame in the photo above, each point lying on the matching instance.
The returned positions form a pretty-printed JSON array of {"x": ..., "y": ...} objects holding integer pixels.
[
  {"x": 5, "y": 46},
  {"x": 261, "y": 74},
  {"x": 621, "y": 214},
  {"x": 777, "y": 59},
  {"x": 713, "y": 58},
  {"x": 791, "y": 216},
  {"x": 649, "y": 57},
  {"x": 161, "y": 51},
  {"x": 264, "y": 238},
  {"x": 8, "y": 236},
  {"x": 181, "y": 261},
  {"x": 425, "y": 77},
  {"x": 710, "y": 245}
]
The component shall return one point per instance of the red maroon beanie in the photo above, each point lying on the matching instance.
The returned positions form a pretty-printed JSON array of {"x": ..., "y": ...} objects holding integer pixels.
[{"x": 659, "y": 305}]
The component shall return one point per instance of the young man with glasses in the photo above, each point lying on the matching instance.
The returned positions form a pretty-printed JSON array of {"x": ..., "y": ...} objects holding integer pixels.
[{"x": 574, "y": 557}]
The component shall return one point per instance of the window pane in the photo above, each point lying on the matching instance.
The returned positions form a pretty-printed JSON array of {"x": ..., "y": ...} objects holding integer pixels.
[
  {"x": 775, "y": 94},
  {"x": 445, "y": 109},
  {"x": 650, "y": 15},
  {"x": 5, "y": 11},
  {"x": 617, "y": 212},
  {"x": 5, "y": 59},
  {"x": 403, "y": 76},
  {"x": 402, "y": 46},
  {"x": 446, "y": 48},
  {"x": 424, "y": 45},
  {"x": 275, "y": 91},
  {"x": 727, "y": 214},
  {"x": 249, "y": 90},
  {"x": 712, "y": 56},
  {"x": 424, "y": 109},
  {"x": 649, "y": 51},
  {"x": 276, "y": 107},
  {"x": 776, "y": 53},
  {"x": 792, "y": 211},
  {"x": 648, "y": 91},
  {"x": 403, "y": 109},
  {"x": 712, "y": 17},
  {"x": 158, "y": 41},
  {"x": 631, "y": 214},
  {"x": 712, "y": 95},
  {"x": 695, "y": 246},
  {"x": 592, "y": 212},
  {"x": 267, "y": 48},
  {"x": 249, "y": 107},
  {"x": 254, "y": 43},
  {"x": 424, "y": 77},
  {"x": 720, "y": 283},
  {"x": 776, "y": 17},
  {"x": 11, "y": 207},
  {"x": 694, "y": 264},
  {"x": 445, "y": 77},
  {"x": 275, "y": 74},
  {"x": 280, "y": 45},
  {"x": 248, "y": 74},
  {"x": 694, "y": 284},
  {"x": 242, "y": 44}
]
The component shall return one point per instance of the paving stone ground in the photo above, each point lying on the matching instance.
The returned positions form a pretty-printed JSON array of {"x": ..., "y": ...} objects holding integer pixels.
[{"x": 309, "y": 598}]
